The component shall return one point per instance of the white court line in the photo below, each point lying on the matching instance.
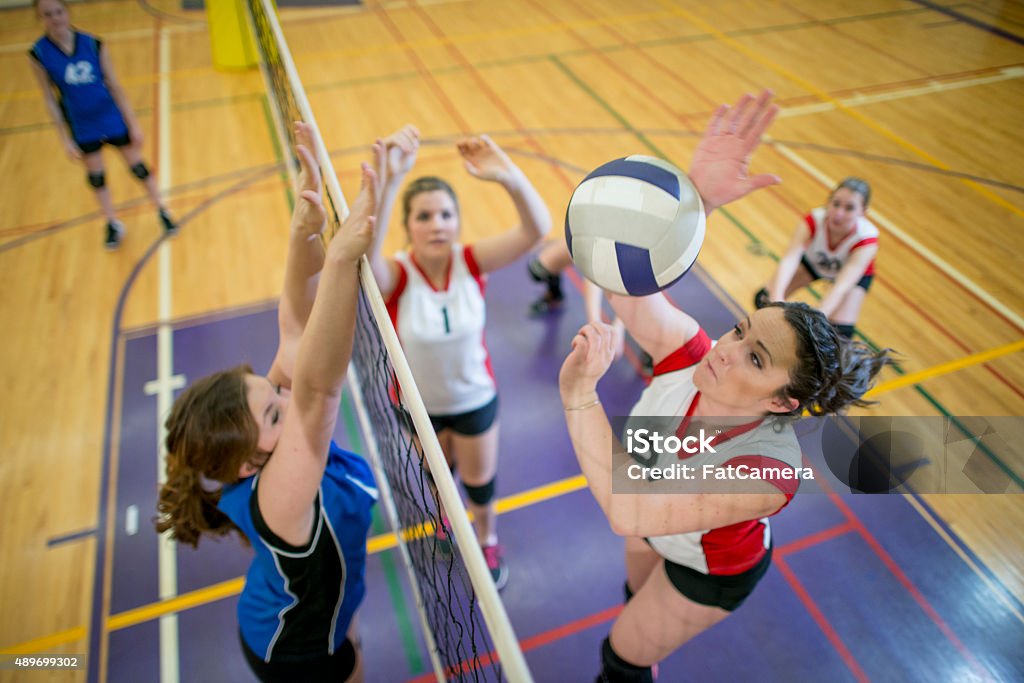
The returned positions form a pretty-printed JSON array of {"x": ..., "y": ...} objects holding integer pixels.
[
  {"x": 931, "y": 88},
  {"x": 128, "y": 34},
  {"x": 166, "y": 381},
  {"x": 924, "y": 251},
  {"x": 1000, "y": 591}
]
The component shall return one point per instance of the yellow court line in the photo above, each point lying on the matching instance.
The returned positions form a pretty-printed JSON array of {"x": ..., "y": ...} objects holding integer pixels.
[
  {"x": 196, "y": 598},
  {"x": 42, "y": 645},
  {"x": 385, "y": 48},
  {"x": 946, "y": 368},
  {"x": 387, "y": 541},
  {"x": 226, "y": 589},
  {"x": 838, "y": 104}
]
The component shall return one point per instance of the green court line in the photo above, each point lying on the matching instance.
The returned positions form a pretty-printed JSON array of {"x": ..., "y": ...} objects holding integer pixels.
[
  {"x": 750, "y": 235},
  {"x": 395, "y": 592},
  {"x": 512, "y": 61}
]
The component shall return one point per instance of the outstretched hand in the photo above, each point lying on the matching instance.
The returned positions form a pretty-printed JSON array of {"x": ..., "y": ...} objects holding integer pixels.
[
  {"x": 355, "y": 235},
  {"x": 310, "y": 217},
  {"x": 593, "y": 349},
  {"x": 485, "y": 160},
  {"x": 719, "y": 166},
  {"x": 400, "y": 150}
]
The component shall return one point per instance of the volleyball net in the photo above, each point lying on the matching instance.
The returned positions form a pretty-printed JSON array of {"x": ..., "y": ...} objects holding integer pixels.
[{"x": 466, "y": 629}]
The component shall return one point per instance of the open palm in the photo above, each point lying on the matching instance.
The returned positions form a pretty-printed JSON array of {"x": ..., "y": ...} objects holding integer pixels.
[
  {"x": 720, "y": 163},
  {"x": 485, "y": 160}
]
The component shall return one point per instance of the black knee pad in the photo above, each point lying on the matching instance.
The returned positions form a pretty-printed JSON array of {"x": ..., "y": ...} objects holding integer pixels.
[
  {"x": 140, "y": 171},
  {"x": 97, "y": 178},
  {"x": 614, "y": 669},
  {"x": 845, "y": 331},
  {"x": 481, "y": 495}
]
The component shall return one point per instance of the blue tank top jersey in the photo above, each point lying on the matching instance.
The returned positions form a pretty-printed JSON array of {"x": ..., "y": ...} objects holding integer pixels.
[
  {"x": 298, "y": 601},
  {"x": 88, "y": 106}
]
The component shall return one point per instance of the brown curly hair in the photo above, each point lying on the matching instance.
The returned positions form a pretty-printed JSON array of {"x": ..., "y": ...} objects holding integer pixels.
[{"x": 210, "y": 434}]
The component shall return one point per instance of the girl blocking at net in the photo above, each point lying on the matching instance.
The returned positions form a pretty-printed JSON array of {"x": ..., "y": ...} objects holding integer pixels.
[
  {"x": 836, "y": 243},
  {"x": 693, "y": 558},
  {"x": 283, "y": 485},
  {"x": 434, "y": 291},
  {"x": 90, "y": 109}
]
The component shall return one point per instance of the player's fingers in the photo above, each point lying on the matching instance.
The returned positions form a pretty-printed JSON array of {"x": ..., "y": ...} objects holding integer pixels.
[
  {"x": 741, "y": 113},
  {"x": 716, "y": 124}
]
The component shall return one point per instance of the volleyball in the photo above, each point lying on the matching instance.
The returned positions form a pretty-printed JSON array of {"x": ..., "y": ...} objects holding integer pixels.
[{"x": 635, "y": 225}]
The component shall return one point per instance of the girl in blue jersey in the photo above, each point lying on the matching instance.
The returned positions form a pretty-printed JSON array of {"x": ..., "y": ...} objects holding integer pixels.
[
  {"x": 89, "y": 108},
  {"x": 253, "y": 454}
]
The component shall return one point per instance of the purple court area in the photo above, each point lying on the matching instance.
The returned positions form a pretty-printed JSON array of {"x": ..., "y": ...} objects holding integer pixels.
[{"x": 864, "y": 588}]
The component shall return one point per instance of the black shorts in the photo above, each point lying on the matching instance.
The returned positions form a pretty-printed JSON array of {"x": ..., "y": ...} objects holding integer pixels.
[
  {"x": 95, "y": 145},
  {"x": 727, "y": 592},
  {"x": 864, "y": 282},
  {"x": 336, "y": 667},
  {"x": 468, "y": 424}
]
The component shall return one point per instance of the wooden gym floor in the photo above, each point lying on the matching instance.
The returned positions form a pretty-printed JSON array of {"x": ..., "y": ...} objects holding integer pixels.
[{"x": 921, "y": 98}]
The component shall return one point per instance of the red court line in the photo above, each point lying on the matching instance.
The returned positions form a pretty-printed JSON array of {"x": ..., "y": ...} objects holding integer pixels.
[
  {"x": 591, "y": 620},
  {"x": 819, "y": 23},
  {"x": 773, "y": 192},
  {"x": 820, "y": 619},
  {"x": 613, "y": 66},
  {"x": 486, "y": 88},
  {"x": 421, "y": 67},
  {"x": 900, "y": 576},
  {"x": 813, "y": 539},
  {"x": 907, "y": 301}
]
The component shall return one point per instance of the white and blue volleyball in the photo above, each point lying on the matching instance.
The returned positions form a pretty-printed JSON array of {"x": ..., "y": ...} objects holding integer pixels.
[{"x": 635, "y": 225}]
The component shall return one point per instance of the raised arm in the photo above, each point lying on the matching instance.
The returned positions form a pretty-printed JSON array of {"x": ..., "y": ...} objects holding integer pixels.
[
  {"x": 398, "y": 158},
  {"x": 291, "y": 477},
  {"x": 120, "y": 98},
  {"x": 304, "y": 262},
  {"x": 789, "y": 262},
  {"x": 43, "y": 79},
  {"x": 719, "y": 171},
  {"x": 485, "y": 160},
  {"x": 851, "y": 272},
  {"x": 601, "y": 456},
  {"x": 657, "y": 325},
  {"x": 719, "y": 164}
]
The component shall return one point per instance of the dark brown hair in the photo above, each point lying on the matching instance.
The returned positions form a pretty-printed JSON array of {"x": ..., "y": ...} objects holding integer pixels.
[
  {"x": 856, "y": 185},
  {"x": 210, "y": 434},
  {"x": 419, "y": 186},
  {"x": 831, "y": 373},
  {"x": 35, "y": 4}
]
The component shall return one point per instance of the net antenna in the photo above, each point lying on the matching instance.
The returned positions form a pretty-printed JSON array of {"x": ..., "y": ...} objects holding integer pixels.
[{"x": 413, "y": 476}]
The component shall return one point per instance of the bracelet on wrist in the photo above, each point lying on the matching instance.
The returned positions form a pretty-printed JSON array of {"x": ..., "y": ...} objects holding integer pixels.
[{"x": 584, "y": 406}]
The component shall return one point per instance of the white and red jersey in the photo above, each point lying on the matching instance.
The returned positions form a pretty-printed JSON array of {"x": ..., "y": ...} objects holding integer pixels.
[
  {"x": 827, "y": 258},
  {"x": 442, "y": 333},
  {"x": 760, "y": 444}
]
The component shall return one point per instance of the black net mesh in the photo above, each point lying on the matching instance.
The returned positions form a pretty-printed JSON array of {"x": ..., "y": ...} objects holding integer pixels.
[{"x": 450, "y": 608}]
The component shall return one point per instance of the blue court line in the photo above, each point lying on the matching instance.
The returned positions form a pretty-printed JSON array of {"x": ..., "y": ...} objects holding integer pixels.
[
  {"x": 68, "y": 538},
  {"x": 994, "y": 30}
]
